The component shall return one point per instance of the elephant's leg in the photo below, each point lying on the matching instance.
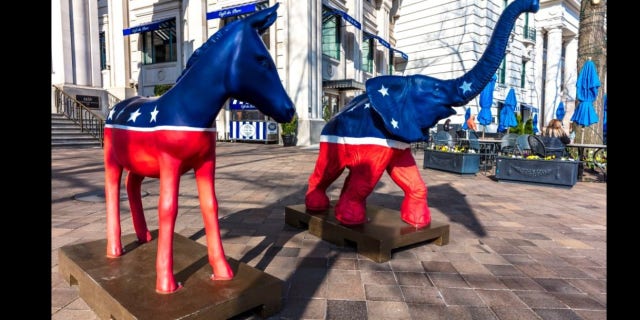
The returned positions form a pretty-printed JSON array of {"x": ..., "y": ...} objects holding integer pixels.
[
  {"x": 205, "y": 175},
  {"x": 113, "y": 176},
  {"x": 328, "y": 168},
  {"x": 167, "y": 213},
  {"x": 368, "y": 165},
  {"x": 134, "y": 193},
  {"x": 405, "y": 173}
]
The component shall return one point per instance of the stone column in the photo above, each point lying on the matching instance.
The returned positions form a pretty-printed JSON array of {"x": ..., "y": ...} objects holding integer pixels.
[
  {"x": 304, "y": 77},
  {"x": 119, "y": 54},
  {"x": 538, "y": 61},
  {"x": 195, "y": 25},
  {"x": 552, "y": 86},
  {"x": 570, "y": 77}
]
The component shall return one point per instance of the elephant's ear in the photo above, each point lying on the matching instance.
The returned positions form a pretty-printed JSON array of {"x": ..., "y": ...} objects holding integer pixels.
[{"x": 391, "y": 98}]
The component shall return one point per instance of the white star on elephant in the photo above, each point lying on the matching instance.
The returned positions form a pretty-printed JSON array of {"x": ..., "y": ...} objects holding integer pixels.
[
  {"x": 466, "y": 86},
  {"x": 384, "y": 91},
  {"x": 367, "y": 105},
  {"x": 111, "y": 114},
  {"x": 154, "y": 113},
  {"x": 394, "y": 123},
  {"x": 134, "y": 115}
]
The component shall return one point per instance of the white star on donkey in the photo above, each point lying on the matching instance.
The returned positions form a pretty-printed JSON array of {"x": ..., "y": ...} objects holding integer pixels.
[
  {"x": 134, "y": 115},
  {"x": 154, "y": 113},
  {"x": 394, "y": 123},
  {"x": 111, "y": 114},
  {"x": 384, "y": 91}
]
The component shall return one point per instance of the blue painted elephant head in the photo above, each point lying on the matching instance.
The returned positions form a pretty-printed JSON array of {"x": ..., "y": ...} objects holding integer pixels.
[{"x": 409, "y": 105}]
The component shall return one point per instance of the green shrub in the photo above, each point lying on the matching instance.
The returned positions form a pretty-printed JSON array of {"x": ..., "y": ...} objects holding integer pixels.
[
  {"x": 290, "y": 127},
  {"x": 160, "y": 89}
]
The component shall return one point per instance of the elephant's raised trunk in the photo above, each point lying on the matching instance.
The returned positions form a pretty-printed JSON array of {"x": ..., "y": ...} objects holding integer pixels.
[{"x": 471, "y": 84}]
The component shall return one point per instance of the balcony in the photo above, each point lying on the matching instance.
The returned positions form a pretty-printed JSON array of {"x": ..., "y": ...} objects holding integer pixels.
[{"x": 529, "y": 35}]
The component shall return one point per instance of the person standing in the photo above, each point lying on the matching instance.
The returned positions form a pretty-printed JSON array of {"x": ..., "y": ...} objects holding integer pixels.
[
  {"x": 471, "y": 123},
  {"x": 447, "y": 126}
]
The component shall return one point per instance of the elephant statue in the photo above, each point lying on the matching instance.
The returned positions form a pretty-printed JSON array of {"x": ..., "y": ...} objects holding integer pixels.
[{"x": 374, "y": 131}]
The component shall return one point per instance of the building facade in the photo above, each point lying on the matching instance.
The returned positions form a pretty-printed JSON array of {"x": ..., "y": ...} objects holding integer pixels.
[{"x": 324, "y": 50}]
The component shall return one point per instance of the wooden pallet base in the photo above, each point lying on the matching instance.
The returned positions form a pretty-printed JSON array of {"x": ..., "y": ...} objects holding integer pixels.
[
  {"x": 124, "y": 287},
  {"x": 374, "y": 239}
]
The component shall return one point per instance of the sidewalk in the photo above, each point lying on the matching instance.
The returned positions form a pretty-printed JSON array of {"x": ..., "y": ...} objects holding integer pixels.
[{"x": 516, "y": 251}]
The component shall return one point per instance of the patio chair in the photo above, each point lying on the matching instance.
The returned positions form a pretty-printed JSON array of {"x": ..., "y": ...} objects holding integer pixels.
[
  {"x": 486, "y": 151},
  {"x": 508, "y": 144},
  {"x": 547, "y": 146},
  {"x": 443, "y": 138},
  {"x": 522, "y": 145}
]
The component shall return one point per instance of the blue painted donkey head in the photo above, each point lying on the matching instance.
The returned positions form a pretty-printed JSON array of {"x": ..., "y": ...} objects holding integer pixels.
[{"x": 237, "y": 63}]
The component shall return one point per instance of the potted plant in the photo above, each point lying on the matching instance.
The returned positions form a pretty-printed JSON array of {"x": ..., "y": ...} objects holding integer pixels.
[
  {"x": 288, "y": 132},
  {"x": 534, "y": 169},
  {"x": 457, "y": 159}
]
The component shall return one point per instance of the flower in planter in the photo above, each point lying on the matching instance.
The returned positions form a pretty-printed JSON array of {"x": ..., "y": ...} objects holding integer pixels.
[{"x": 457, "y": 148}]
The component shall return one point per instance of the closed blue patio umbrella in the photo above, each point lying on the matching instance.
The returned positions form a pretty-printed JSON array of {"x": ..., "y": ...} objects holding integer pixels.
[
  {"x": 560, "y": 111},
  {"x": 507, "y": 114},
  {"x": 587, "y": 87},
  {"x": 467, "y": 114},
  {"x": 535, "y": 124},
  {"x": 486, "y": 99}
]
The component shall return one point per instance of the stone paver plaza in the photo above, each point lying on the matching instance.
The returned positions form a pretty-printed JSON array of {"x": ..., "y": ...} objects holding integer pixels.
[{"x": 516, "y": 251}]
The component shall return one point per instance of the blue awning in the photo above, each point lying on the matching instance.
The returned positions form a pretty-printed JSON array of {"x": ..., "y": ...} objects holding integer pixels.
[
  {"x": 146, "y": 27},
  {"x": 232, "y": 11},
  {"x": 404, "y": 55},
  {"x": 235, "y": 104},
  {"x": 344, "y": 16},
  {"x": 384, "y": 43},
  {"x": 530, "y": 107}
]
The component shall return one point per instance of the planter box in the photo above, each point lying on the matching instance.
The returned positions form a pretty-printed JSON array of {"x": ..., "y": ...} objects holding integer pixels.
[
  {"x": 552, "y": 172},
  {"x": 463, "y": 163}
]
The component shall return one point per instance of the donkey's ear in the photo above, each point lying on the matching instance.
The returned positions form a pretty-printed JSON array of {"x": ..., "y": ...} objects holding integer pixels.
[{"x": 263, "y": 19}]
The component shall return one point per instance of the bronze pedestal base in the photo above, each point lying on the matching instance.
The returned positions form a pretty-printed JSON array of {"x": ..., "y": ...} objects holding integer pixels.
[
  {"x": 124, "y": 288},
  {"x": 374, "y": 239}
]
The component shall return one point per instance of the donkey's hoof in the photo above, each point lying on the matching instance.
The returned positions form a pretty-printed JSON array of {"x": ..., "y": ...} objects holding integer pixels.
[{"x": 177, "y": 287}]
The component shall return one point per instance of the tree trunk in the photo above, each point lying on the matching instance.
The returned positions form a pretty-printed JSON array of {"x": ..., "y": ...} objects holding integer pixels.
[{"x": 592, "y": 44}]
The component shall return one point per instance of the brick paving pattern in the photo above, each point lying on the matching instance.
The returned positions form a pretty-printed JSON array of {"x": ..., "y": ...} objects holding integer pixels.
[{"x": 516, "y": 251}]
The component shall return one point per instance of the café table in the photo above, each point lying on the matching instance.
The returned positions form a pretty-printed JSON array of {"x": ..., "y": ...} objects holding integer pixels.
[{"x": 582, "y": 147}]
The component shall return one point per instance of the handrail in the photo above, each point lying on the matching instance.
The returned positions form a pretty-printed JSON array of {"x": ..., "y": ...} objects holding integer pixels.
[
  {"x": 112, "y": 100},
  {"x": 88, "y": 120}
]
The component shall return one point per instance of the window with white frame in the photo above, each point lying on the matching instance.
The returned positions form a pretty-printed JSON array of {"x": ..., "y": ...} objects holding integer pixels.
[
  {"x": 330, "y": 34},
  {"x": 103, "y": 51},
  {"x": 367, "y": 54},
  {"x": 160, "y": 45}
]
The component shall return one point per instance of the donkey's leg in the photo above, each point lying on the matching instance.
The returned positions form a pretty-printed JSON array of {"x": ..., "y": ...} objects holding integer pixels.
[
  {"x": 328, "y": 168},
  {"x": 134, "y": 193},
  {"x": 205, "y": 175},
  {"x": 364, "y": 174},
  {"x": 405, "y": 173},
  {"x": 113, "y": 176},
  {"x": 167, "y": 212}
]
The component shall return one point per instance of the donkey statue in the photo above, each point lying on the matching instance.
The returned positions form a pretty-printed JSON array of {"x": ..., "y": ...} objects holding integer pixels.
[{"x": 167, "y": 136}]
